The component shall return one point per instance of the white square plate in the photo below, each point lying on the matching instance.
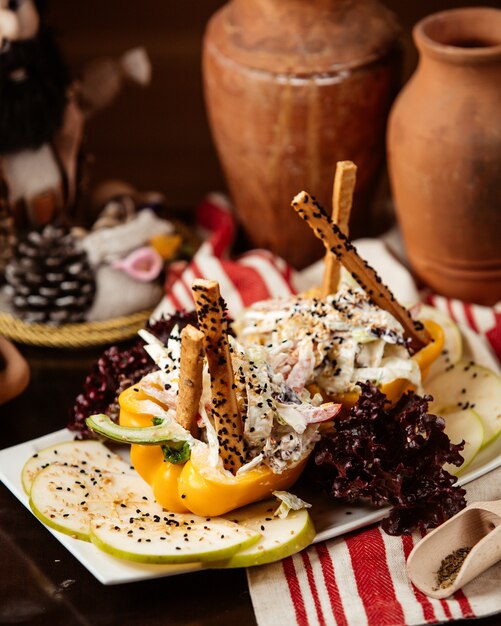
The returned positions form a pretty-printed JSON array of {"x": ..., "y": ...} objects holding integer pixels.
[{"x": 331, "y": 519}]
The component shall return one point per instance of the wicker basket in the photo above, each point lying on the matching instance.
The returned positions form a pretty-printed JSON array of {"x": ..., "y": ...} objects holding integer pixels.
[{"x": 84, "y": 335}]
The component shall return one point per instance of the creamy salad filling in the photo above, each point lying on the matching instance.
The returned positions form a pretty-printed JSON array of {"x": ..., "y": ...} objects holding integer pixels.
[
  {"x": 335, "y": 342},
  {"x": 281, "y": 424},
  {"x": 283, "y": 348}
]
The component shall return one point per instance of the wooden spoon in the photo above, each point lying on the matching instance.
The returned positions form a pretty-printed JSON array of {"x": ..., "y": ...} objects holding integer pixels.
[{"x": 477, "y": 527}]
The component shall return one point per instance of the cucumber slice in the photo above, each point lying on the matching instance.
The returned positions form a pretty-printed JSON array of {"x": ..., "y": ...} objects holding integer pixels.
[
  {"x": 148, "y": 435},
  {"x": 469, "y": 386},
  {"x": 78, "y": 454},
  {"x": 453, "y": 343},
  {"x": 68, "y": 498},
  {"x": 280, "y": 537},
  {"x": 464, "y": 425},
  {"x": 171, "y": 538}
]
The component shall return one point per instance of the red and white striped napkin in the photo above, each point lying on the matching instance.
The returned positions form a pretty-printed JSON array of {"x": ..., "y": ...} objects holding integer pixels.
[
  {"x": 358, "y": 579},
  {"x": 255, "y": 275}
]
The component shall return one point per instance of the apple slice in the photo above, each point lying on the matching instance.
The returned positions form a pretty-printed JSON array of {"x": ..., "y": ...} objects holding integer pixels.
[
  {"x": 453, "y": 343},
  {"x": 147, "y": 435},
  {"x": 59, "y": 502},
  {"x": 280, "y": 537},
  {"x": 469, "y": 386},
  {"x": 67, "y": 498},
  {"x": 171, "y": 538},
  {"x": 78, "y": 454},
  {"x": 466, "y": 425}
]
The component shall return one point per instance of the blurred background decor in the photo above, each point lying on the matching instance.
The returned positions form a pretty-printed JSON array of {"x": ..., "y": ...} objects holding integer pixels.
[
  {"x": 66, "y": 253},
  {"x": 163, "y": 141},
  {"x": 14, "y": 371},
  {"x": 43, "y": 113},
  {"x": 33, "y": 93},
  {"x": 444, "y": 149},
  {"x": 291, "y": 88},
  {"x": 159, "y": 139},
  {"x": 72, "y": 287},
  {"x": 167, "y": 132}
]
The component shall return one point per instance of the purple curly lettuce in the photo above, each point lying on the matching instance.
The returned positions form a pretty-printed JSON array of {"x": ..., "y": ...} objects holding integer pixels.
[
  {"x": 115, "y": 370},
  {"x": 392, "y": 456}
]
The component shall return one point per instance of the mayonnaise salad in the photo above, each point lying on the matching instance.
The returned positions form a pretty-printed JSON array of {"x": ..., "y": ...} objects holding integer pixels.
[
  {"x": 280, "y": 423},
  {"x": 285, "y": 350},
  {"x": 334, "y": 342}
]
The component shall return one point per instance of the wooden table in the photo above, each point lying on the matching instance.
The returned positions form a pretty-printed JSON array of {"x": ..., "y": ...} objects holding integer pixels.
[{"x": 42, "y": 583}]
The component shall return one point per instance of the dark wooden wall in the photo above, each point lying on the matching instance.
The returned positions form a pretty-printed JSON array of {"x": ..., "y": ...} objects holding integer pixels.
[{"x": 158, "y": 138}]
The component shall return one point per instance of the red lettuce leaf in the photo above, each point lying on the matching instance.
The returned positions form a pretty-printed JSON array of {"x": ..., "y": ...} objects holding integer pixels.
[
  {"x": 392, "y": 456},
  {"x": 115, "y": 370}
]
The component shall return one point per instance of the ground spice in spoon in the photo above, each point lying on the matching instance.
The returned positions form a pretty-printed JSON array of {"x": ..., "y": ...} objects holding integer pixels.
[{"x": 449, "y": 568}]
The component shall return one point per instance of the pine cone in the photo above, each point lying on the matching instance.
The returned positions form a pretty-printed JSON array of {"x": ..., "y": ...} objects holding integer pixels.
[{"x": 50, "y": 278}]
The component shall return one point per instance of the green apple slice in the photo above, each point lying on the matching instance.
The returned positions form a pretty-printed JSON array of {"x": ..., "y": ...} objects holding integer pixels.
[
  {"x": 280, "y": 537},
  {"x": 79, "y": 454},
  {"x": 68, "y": 498},
  {"x": 453, "y": 343},
  {"x": 171, "y": 538},
  {"x": 464, "y": 425},
  {"x": 59, "y": 502},
  {"x": 166, "y": 432},
  {"x": 466, "y": 385}
]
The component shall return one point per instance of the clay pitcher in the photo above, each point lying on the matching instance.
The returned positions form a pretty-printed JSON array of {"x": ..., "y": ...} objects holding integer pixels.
[
  {"x": 292, "y": 87},
  {"x": 444, "y": 152}
]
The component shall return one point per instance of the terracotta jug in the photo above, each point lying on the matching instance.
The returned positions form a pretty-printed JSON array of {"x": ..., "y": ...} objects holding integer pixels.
[
  {"x": 444, "y": 153},
  {"x": 293, "y": 86}
]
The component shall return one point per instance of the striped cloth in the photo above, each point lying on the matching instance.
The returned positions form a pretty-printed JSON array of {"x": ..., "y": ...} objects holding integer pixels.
[
  {"x": 358, "y": 579},
  {"x": 482, "y": 320},
  {"x": 255, "y": 275}
]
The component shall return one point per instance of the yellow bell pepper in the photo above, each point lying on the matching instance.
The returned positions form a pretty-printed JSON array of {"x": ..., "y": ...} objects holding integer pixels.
[
  {"x": 197, "y": 487},
  {"x": 148, "y": 460},
  {"x": 194, "y": 486},
  {"x": 130, "y": 409},
  {"x": 427, "y": 355},
  {"x": 162, "y": 475},
  {"x": 209, "y": 491}
]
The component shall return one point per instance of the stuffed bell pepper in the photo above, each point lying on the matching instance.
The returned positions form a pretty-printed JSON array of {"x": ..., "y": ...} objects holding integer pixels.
[
  {"x": 215, "y": 427},
  {"x": 227, "y": 419}
]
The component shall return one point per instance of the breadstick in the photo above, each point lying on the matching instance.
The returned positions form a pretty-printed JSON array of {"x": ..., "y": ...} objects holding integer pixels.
[
  {"x": 337, "y": 243},
  {"x": 190, "y": 378},
  {"x": 228, "y": 423},
  {"x": 342, "y": 199}
]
